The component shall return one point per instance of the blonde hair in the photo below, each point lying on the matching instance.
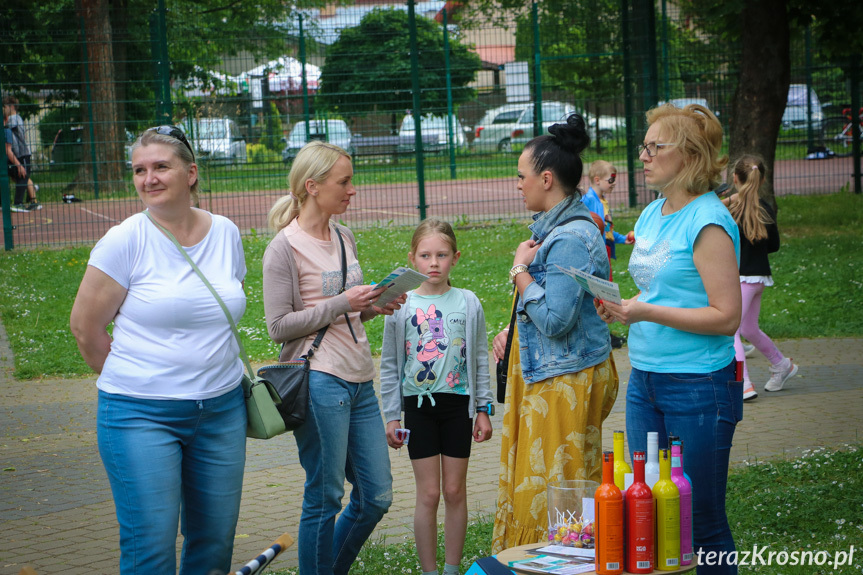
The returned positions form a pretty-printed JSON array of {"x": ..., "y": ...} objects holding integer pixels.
[
  {"x": 747, "y": 211},
  {"x": 180, "y": 149},
  {"x": 600, "y": 168},
  {"x": 696, "y": 132},
  {"x": 313, "y": 162},
  {"x": 433, "y": 227}
]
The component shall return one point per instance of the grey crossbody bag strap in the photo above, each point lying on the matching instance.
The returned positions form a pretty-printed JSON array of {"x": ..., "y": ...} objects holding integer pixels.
[{"x": 207, "y": 283}]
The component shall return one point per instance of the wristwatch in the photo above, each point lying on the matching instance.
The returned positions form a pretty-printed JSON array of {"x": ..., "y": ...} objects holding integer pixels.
[
  {"x": 487, "y": 408},
  {"x": 519, "y": 269}
]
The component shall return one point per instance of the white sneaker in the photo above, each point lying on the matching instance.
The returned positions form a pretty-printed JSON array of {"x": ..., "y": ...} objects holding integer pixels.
[
  {"x": 749, "y": 391},
  {"x": 780, "y": 374},
  {"x": 748, "y": 349}
]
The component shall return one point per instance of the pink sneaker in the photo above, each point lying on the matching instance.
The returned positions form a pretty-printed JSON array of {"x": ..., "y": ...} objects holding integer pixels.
[{"x": 749, "y": 392}]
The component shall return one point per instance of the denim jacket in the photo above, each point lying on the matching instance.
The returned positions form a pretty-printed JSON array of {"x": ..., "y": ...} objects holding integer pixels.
[{"x": 559, "y": 330}]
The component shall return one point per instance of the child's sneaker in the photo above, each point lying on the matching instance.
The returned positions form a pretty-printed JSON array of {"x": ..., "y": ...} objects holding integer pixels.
[
  {"x": 748, "y": 349},
  {"x": 780, "y": 374},
  {"x": 749, "y": 392}
]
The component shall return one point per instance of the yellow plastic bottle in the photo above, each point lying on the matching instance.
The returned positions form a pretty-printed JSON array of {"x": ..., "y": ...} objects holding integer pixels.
[
  {"x": 667, "y": 498},
  {"x": 621, "y": 467}
]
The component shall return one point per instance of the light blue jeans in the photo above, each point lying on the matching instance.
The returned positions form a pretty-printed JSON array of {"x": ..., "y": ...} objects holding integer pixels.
[
  {"x": 703, "y": 410},
  {"x": 343, "y": 437},
  {"x": 171, "y": 461}
]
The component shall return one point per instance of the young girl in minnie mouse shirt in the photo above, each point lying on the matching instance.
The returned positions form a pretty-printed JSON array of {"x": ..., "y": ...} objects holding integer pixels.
[{"x": 434, "y": 367}]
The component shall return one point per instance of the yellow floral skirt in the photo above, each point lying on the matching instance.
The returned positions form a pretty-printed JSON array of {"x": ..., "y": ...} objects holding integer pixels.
[{"x": 552, "y": 431}]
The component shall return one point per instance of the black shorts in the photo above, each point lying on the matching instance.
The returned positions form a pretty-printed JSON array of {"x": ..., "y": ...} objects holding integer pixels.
[{"x": 442, "y": 429}]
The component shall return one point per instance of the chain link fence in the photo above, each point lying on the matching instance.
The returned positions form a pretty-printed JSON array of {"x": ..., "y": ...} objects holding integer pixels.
[{"x": 433, "y": 106}]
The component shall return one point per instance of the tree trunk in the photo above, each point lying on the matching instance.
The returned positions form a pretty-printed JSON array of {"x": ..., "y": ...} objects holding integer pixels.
[
  {"x": 103, "y": 161},
  {"x": 762, "y": 91}
]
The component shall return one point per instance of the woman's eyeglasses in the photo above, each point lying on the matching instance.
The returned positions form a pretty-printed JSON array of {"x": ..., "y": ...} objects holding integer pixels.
[
  {"x": 174, "y": 132},
  {"x": 652, "y": 148}
]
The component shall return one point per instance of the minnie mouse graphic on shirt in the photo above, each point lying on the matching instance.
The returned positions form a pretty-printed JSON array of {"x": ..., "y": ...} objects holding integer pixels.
[{"x": 432, "y": 341}]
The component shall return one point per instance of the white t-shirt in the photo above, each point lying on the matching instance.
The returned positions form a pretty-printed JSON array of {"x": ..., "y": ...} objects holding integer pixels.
[{"x": 171, "y": 340}]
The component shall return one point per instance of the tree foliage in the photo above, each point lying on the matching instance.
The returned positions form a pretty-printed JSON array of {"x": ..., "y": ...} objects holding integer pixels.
[{"x": 380, "y": 47}]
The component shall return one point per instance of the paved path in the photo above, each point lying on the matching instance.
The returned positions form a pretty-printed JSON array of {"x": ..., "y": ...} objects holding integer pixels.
[{"x": 56, "y": 511}]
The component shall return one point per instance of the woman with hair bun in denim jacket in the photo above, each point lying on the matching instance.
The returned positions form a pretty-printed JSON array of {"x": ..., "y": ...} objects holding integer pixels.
[{"x": 561, "y": 377}]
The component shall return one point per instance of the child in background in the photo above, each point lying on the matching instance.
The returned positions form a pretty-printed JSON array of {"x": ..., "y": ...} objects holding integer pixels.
[
  {"x": 603, "y": 178},
  {"x": 759, "y": 236},
  {"x": 434, "y": 367}
]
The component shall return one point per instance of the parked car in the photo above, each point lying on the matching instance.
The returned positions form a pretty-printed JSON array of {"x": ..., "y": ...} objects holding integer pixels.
[
  {"x": 431, "y": 126},
  {"x": 552, "y": 113},
  {"x": 796, "y": 114},
  {"x": 332, "y": 131},
  {"x": 216, "y": 140},
  {"x": 68, "y": 146},
  {"x": 493, "y": 131}
]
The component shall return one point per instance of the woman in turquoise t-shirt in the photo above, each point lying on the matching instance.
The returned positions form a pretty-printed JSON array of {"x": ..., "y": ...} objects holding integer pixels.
[{"x": 683, "y": 320}]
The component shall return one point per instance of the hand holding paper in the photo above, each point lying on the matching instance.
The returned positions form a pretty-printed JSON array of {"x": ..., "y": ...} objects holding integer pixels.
[
  {"x": 396, "y": 283},
  {"x": 598, "y": 288}
]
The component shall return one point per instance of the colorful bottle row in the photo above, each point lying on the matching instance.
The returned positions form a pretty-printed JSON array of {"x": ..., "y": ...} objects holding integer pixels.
[{"x": 647, "y": 527}]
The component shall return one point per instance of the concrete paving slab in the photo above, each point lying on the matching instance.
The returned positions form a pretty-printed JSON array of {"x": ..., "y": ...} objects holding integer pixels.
[{"x": 56, "y": 511}]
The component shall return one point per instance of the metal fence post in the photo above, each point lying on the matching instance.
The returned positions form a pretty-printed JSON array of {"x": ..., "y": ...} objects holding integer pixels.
[
  {"x": 855, "y": 122},
  {"x": 304, "y": 79},
  {"x": 537, "y": 74},
  {"x": 665, "y": 67},
  {"x": 164, "y": 105},
  {"x": 8, "y": 238},
  {"x": 810, "y": 132},
  {"x": 627, "y": 101},
  {"x": 85, "y": 60},
  {"x": 449, "y": 111},
  {"x": 417, "y": 111}
]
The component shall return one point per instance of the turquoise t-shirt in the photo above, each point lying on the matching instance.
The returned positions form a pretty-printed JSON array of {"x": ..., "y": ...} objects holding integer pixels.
[
  {"x": 663, "y": 269},
  {"x": 435, "y": 345}
]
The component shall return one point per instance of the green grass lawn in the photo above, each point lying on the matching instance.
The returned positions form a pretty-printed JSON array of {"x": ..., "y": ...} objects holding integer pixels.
[
  {"x": 813, "y": 503},
  {"x": 817, "y": 272}
]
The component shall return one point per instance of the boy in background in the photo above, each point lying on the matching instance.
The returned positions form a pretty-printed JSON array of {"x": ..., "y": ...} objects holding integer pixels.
[{"x": 603, "y": 178}]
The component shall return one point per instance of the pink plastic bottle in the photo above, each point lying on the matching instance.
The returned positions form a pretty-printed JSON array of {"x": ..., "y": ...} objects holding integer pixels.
[{"x": 685, "y": 489}]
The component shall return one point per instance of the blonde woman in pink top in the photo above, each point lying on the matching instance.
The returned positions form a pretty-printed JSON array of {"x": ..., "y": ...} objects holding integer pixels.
[{"x": 343, "y": 437}]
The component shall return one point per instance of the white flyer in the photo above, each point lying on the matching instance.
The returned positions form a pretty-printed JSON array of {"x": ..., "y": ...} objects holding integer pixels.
[
  {"x": 598, "y": 288},
  {"x": 399, "y": 281}
]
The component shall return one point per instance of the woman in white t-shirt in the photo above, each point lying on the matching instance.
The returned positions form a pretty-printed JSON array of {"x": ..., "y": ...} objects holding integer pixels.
[
  {"x": 343, "y": 436},
  {"x": 171, "y": 419}
]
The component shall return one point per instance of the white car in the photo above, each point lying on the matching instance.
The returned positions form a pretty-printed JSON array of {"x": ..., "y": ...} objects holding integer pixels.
[
  {"x": 435, "y": 131},
  {"x": 492, "y": 133},
  {"x": 216, "y": 140},
  {"x": 796, "y": 114},
  {"x": 332, "y": 131},
  {"x": 610, "y": 127},
  {"x": 552, "y": 113}
]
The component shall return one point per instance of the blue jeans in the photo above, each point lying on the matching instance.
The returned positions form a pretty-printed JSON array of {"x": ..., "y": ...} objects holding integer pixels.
[
  {"x": 343, "y": 437},
  {"x": 171, "y": 461},
  {"x": 703, "y": 410}
]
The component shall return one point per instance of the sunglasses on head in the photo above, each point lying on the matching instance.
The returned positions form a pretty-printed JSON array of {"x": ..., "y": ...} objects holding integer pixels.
[
  {"x": 174, "y": 132},
  {"x": 612, "y": 179}
]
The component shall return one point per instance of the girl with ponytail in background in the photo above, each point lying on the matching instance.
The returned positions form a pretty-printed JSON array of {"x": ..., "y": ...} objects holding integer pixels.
[{"x": 759, "y": 236}]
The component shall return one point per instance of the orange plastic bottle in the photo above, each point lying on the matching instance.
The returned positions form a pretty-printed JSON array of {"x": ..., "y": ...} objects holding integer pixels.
[
  {"x": 639, "y": 520},
  {"x": 608, "y": 517}
]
